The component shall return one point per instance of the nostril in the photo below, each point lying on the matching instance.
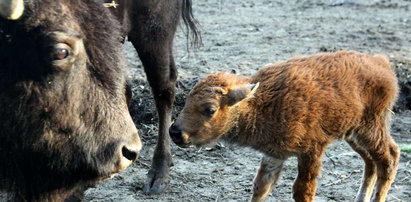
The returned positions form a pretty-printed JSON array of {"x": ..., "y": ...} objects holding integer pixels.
[
  {"x": 175, "y": 133},
  {"x": 129, "y": 154},
  {"x": 174, "y": 129}
]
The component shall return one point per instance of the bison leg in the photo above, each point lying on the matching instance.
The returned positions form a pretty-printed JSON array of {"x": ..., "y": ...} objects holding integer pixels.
[
  {"x": 387, "y": 164},
  {"x": 375, "y": 138},
  {"x": 369, "y": 174},
  {"x": 161, "y": 74},
  {"x": 309, "y": 165},
  {"x": 154, "y": 26},
  {"x": 267, "y": 176}
]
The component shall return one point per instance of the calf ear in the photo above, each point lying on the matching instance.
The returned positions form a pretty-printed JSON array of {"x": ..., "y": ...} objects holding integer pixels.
[{"x": 239, "y": 93}]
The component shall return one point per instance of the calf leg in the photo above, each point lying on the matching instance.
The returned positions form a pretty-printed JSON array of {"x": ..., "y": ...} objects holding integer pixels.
[
  {"x": 267, "y": 176},
  {"x": 387, "y": 165},
  {"x": 154, "y": 26},
  {"x": 309, "y": 165},
  {"x": 369, "y": 175},
  {"x": 385, "y": 153}
]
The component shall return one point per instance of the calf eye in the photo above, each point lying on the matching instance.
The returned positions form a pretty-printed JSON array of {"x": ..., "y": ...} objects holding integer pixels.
[
  {"x": 60, "y": 54},
  {"x": 209, "y": 111}
]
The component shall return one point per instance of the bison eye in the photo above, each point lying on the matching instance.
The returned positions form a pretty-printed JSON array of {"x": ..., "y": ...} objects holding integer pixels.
[
  {"x": 209, "y": 111},
  {"x": 60, "y": 54}
]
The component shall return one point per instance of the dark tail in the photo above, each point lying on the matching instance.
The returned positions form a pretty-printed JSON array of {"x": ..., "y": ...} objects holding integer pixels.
[{"x": 193, "y": 34}]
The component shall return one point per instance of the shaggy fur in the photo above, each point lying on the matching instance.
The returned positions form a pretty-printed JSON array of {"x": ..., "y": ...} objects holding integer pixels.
[
  {"x": 297, "y": 108},
  {"x": 150, "y": 26},
  {"x": 63, "y": 123}
]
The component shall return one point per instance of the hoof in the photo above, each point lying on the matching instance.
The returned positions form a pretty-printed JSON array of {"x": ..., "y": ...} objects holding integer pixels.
[
  {"x": 156, "y": 185},
  {"x": 158, "y": 178}
]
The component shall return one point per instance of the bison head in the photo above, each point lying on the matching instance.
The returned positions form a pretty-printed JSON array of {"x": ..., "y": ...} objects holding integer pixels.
[
  {"x": 211, "y": 109},
  {"x": 64, "y": 118}
]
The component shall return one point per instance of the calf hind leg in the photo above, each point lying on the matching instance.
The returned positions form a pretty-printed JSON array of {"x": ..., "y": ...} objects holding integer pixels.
[
  {"x": 385, "y": 154},
  {"x": 387, "y": 160},
  {"x": 267, "y": 176},
  {"x": 369, "y": 174}
]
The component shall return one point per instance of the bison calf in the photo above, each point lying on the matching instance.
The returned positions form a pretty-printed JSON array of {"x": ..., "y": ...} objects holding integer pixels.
[{"x": 297, "y": 108}]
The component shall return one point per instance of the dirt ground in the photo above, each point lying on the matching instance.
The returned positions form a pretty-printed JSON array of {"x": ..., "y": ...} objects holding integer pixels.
[{"x": 245, "y": 35}]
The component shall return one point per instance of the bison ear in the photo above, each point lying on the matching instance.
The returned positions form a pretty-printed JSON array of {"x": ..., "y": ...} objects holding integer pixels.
[{"x": 239, "y": 93}]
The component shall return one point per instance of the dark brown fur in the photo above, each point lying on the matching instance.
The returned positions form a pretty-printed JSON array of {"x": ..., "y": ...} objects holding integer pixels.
[
  {"x": 300, "y": 107},
  {"x": 150, "y": 25},
  {"x": 64, "y": 123},
  {"x": 68, "y": 120}
]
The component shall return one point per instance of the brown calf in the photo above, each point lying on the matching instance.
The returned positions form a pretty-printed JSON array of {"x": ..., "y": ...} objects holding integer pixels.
[{"x": 297, "y": 108}]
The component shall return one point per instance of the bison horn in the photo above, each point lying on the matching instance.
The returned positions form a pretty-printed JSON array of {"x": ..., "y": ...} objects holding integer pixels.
[{"x": 11, "y": 9}]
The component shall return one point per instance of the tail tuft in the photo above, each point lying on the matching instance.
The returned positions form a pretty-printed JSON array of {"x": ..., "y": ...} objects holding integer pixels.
[{"x": 191, "y": 24}]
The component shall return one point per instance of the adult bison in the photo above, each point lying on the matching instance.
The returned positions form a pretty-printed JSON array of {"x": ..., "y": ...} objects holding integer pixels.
[{"x": 64, "y": 120}]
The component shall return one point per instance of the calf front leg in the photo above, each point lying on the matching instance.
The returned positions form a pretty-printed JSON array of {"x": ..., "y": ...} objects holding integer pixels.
[
  {"x": 309, "y": 165},
  {"x": 267, "y": 176}
]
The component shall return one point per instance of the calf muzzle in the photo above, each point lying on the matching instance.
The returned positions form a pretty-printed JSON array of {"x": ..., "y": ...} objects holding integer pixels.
[{"x": 176, "y": 135}]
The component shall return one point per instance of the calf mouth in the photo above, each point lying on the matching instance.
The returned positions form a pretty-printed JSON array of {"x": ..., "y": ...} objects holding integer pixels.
[
  {"x": 182, "y": 144},
  {"x": 182, "y": 140}
]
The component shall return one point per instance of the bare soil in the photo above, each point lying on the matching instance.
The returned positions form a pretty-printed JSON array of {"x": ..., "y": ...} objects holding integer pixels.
[{"x": 245, "y": 35}]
